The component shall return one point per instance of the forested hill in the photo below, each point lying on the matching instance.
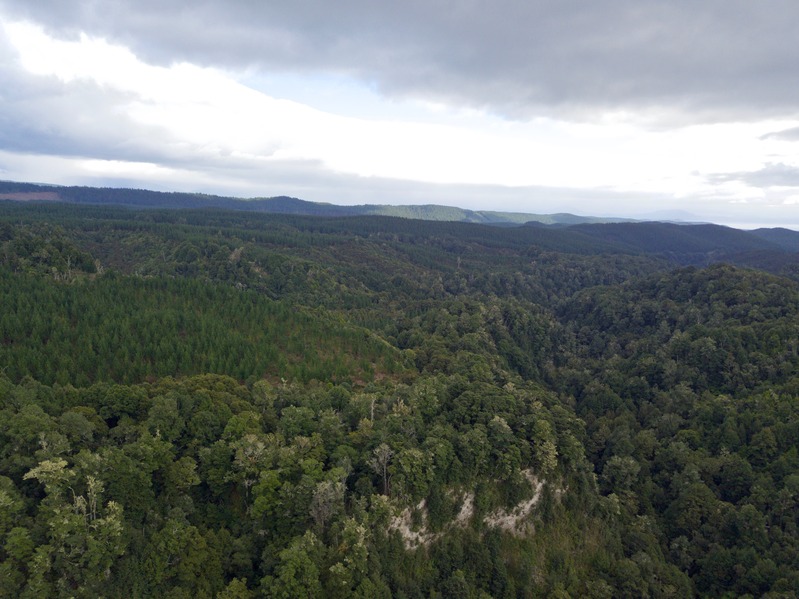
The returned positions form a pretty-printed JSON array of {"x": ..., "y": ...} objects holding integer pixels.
[
  {"x": 225, "y": 403},
  {"x": 773, "y": 250}
]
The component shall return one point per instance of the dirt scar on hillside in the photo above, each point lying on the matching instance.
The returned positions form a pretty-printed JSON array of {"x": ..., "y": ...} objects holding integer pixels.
[
  {"x": 515, "y": 521},
  {"x": 31, "y": 196}
]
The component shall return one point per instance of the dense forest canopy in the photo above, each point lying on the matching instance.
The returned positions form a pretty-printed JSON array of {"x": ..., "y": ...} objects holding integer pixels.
[{"x": 214, "y": 403}]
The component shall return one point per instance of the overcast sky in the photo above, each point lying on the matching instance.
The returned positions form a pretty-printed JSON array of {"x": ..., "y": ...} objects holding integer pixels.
[{"x": 600, "y": 107}]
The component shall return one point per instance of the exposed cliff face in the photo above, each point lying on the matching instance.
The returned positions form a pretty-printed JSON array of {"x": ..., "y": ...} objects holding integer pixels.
[{"x": 516, "y": 520}]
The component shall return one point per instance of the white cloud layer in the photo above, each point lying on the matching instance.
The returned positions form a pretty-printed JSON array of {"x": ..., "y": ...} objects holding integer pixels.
[{"x": 611, "y": 107}]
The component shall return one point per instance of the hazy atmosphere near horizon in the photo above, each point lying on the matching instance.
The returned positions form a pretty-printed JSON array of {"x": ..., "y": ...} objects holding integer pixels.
[{"x": 681, "y": 109}]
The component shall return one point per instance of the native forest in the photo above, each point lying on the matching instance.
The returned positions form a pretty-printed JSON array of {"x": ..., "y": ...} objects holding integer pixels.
[{"x": 204, "y": 400}]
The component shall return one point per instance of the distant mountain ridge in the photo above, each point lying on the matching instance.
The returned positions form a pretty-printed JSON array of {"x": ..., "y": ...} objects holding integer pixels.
[
  {"x": 785, "y": 238},
  {"x": 141, "y": 198},
  {"x": 773, "y": 250}
]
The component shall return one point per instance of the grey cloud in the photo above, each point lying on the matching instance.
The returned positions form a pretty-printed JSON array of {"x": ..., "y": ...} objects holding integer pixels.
[
  {"x": 708, "y": 60},
  {"x": 62, "y": 120},
  {"x": 50, "y": 122},
  {"x": 42, "y": 115},
  {"x": 772, "y": 175},
  {"x": 784, "y": 135},
  {"x": 81, "y": 119}
]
